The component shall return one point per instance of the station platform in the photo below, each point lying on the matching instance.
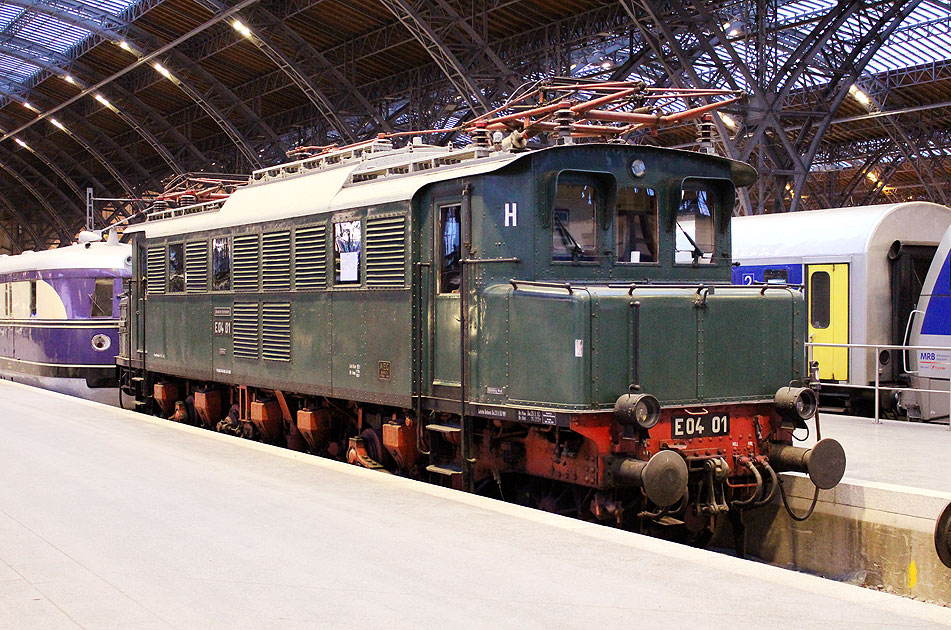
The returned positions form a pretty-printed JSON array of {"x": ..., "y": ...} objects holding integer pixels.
[
  {"x": 911, "y": 454},
  {"x": 110, "y": 519}
]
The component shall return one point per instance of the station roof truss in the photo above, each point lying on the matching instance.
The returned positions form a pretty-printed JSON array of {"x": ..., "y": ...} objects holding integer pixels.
[{"x": 849, "y": 102}]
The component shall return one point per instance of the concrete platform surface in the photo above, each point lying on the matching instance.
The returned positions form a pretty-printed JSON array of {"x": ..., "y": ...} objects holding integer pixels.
[
  {"x": 109, "y": 519},
  {"x": 907, "y": 454}
]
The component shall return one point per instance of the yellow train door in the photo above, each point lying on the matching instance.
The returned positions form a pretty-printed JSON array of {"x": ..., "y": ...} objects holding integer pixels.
[{"x": 829, "y": 318}]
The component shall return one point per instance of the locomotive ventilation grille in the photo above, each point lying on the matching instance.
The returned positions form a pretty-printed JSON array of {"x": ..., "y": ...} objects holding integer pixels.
[
  {"x": 245, "y": 330},
  {"x": 196, "y": 267},
  {"x": 246, "y": 261},
  {"x": 276, "y": 259},
  {"x": 276, "y": 331},
  {"x": 155, "y": 270},
  {"x": 310, "y": 258},
  {"x": 386, "y": 252}
]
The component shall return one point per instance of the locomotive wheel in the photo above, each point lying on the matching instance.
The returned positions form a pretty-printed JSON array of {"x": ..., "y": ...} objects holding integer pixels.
[{"x": 555, "y": 497}]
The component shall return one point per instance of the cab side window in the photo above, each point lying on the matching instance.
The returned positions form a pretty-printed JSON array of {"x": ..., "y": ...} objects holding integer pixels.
[
  {"x": 450, "y": 259},
  {"x": 574, "y": 221},
  {"x": 636, "y": 224},
  {"x": 696, "y": 223},
  {"x": 102, "y": 298}
]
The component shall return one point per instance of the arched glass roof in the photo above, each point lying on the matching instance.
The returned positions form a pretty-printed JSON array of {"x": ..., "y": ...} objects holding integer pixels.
[{"x": 21, "y": 26}]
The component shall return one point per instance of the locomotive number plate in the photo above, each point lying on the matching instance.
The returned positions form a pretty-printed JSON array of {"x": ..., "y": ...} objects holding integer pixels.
[{"x": 706, "y": 425}]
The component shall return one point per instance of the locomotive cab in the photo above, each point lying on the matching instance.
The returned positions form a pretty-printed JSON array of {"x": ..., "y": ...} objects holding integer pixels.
[{"x": 603, "y": 341}]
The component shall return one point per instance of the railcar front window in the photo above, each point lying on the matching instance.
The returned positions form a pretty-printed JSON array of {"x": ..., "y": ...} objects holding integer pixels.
[
  {"x": 636, "y": 225},
  {"x": 348, "y": 243},
  {"x": 819, "y": 300},
  {"x": 696, "y": 225},
  {"x": 176, "y": 268},
  {"x": 221, "y": 264},
  {"x": 574, "y": 222},
  {"x": 102, "y": 298},
  {"x": 450, "y": 259}
]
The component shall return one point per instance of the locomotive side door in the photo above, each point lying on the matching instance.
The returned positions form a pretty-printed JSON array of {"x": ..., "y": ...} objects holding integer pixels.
[
  {"x": 828, "y": 318},
  {"x": 447, "y": 276}
]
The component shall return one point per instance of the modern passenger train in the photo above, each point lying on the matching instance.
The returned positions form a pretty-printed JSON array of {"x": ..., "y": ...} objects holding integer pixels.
[
  {"x": 59, "y": 321},
  {"x": 862, "y": 269},
  {"x": 930, "y": 325}
]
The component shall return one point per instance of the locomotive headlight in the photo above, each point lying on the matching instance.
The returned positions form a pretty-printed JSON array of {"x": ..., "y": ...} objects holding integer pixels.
[
  {"x": 796, "y": 402},
  {"x": 642, "y": 410}
]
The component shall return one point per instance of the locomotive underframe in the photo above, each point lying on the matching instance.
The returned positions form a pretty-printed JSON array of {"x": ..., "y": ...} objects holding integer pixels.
[{"x": 567, "y": 469}]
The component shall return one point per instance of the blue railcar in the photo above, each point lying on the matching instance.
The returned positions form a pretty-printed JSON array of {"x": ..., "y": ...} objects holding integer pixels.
[
  {"x": 930, "y": 325},
  {"x": 862, "y": 270}
]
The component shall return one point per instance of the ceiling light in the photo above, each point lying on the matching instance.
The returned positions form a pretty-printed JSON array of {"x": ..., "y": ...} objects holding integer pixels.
[
  {"x": 241, "y": 28},
  {"x": 733, "y": 33},
  {"x": 21, "y": 143},
  {"x": 162, "y": 70},
  {"x": 124, "y": 45},
  {"x": 726, "y": 26},
  {"x": 102, "y": 99},
  {"x": 27, "y": 105},
  {"x": 69, "y": 79},
  {"x": 728, "y": 121},
  {"x": 859, "y": 95},
  {"x": 872, "y": 177},
  {"x": 606, "y": 65},
  {"x": 57, "y": 124}
]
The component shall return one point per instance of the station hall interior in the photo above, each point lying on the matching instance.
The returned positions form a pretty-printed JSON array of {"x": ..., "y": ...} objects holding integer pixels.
[{"x": 308, "y": 303}]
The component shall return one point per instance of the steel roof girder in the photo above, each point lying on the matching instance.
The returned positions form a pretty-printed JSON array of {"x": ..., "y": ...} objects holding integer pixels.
[
  {"x": 44, "y": 203},
  {"x": 51, "y": 188},
  {"x": 889, "y": 20},
  {"x": 107, "y": 164},
  {"x": 81, "y": 71},
  {"x": 143, "y": 39},
  {"x": 54, "y": 62},
  {"x": 287, "y": 65},
  {"x": 21, "y": 220},
  {"x": 422, "y": 31},
  {"x": 312, "y": 62},
  {"x": 15, "y": 247}
]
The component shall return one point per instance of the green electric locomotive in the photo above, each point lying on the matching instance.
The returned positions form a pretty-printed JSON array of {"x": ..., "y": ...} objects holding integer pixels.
[{"x": 554, "y": 326}]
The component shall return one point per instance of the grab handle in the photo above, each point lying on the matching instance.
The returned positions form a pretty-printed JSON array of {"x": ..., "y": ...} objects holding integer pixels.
[{"x": 904, "y": 342}]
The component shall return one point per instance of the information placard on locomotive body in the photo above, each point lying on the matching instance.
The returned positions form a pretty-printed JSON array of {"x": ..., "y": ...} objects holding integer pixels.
[
  {"x": 222, "y": 322},
  {"x": 527, "y": 416}
]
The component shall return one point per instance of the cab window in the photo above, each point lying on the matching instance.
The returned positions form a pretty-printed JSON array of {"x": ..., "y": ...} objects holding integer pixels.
[
  {"x": 574, "y": 221},
  {"x": 636, "y": 223},
  {"x": 696, "y": 224},
  {"x": 102, "y": 298},
  {"x": 450, "y": 260}
]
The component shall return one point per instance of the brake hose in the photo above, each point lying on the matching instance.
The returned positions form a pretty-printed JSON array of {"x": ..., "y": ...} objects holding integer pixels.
[{"x": 792, "y": 515}]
